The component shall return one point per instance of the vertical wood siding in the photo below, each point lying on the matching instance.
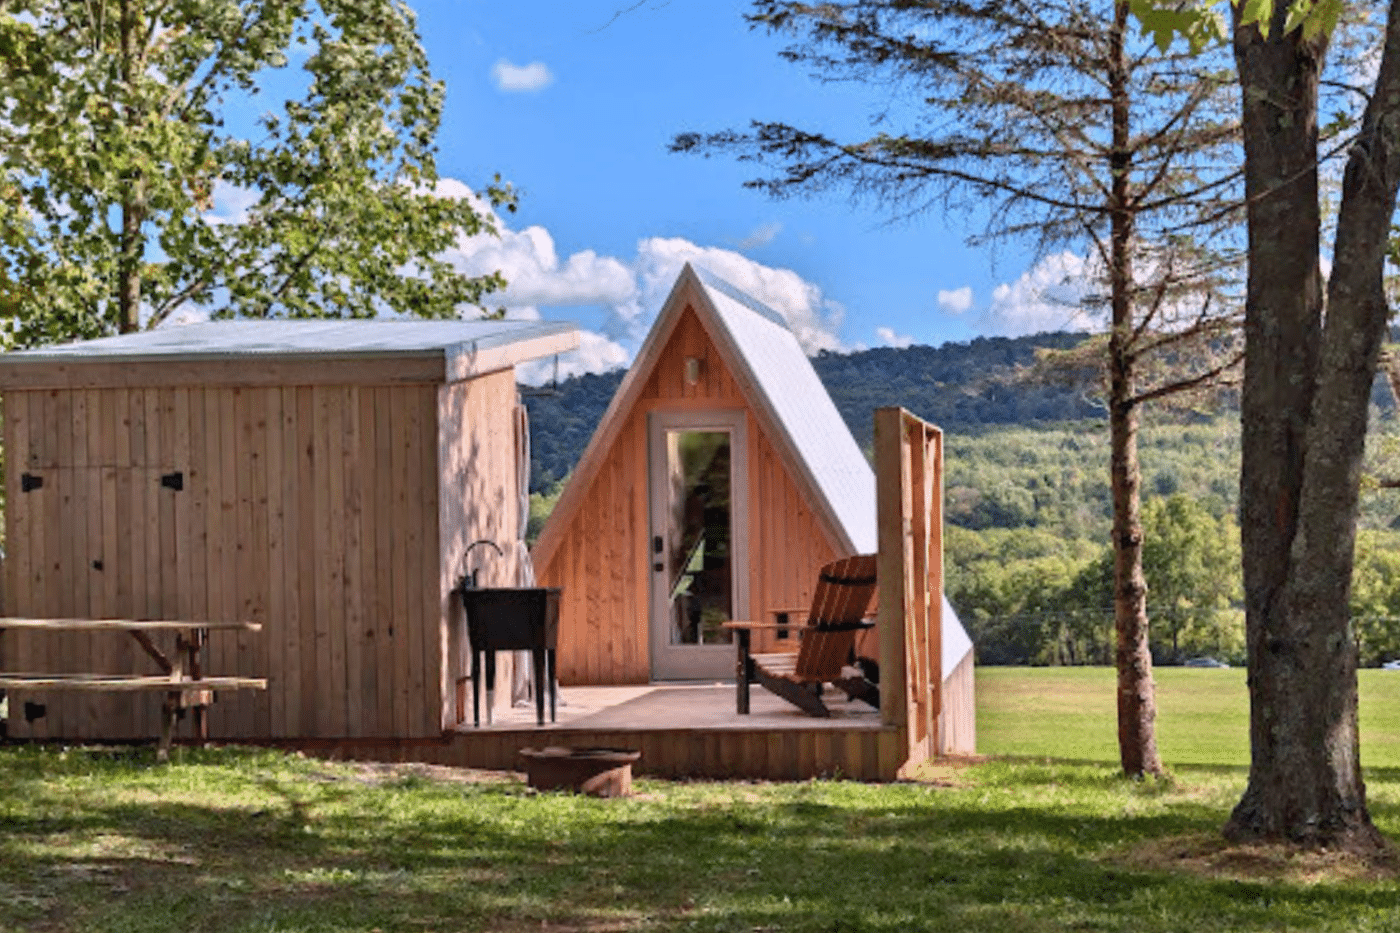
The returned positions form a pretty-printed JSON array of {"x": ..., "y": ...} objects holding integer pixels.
[
  {"x": 313, "y": 510},
  {"x": 957, "y": 721},
  {"x": 603, "y": 560},
  {"x": 479, "y": 501}
]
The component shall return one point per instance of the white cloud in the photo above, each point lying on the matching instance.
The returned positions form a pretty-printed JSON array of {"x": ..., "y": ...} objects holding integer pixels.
[
  {"x": 629, "y": 291},
  {"x": 530, "y": 263},
  {"x": 814, "y": 318},
  {"x": 509, "y": 77},
  {"x": 891, "y": 339},
  {"x": 231, "y": 203},
  {"x": 595, "y": 354},
  {"x": 761, "y": 236},
  {"x": 956, "y": 301},
  {"x": 1048, "y": 296}
]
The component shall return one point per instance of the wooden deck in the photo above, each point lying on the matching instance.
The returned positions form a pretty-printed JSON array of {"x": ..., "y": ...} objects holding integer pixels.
[
  {"x": 671, "y": 706},
  {"x": 682, "y": 730}
]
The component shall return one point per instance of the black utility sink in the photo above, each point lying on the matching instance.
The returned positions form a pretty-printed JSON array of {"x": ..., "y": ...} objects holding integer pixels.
[{"x": 512, "y": 619}]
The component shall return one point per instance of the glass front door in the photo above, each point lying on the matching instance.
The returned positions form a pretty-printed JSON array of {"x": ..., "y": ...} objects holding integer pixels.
[{"x": 696, "y": 561}]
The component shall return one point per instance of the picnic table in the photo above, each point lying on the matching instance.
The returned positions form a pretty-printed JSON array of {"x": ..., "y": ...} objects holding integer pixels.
[{"x": 181, "y": 676}]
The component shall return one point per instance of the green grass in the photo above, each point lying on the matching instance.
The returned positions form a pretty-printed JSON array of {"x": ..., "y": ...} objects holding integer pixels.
[
  {"x": 1049, "y": 840},
  {"x": 1202, "y": 715}
]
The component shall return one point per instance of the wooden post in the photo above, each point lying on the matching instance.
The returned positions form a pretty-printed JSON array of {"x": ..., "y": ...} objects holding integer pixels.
[
  {"x": 909, "y": 493},
  {"x": 742, "y": 668},
  {"x": 167, "y": 725},
  {"x": 922, "y": 724},
  {"x": 933, "y": 441},
  {"x": 890, "y": 472}
]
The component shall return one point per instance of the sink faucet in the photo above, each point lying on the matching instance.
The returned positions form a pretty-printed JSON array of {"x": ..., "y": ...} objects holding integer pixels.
[{"x": 469, "y": 579}]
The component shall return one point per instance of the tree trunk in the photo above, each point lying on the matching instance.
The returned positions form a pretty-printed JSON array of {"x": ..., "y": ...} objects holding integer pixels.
[
  {"x": 1304, "y": 408},
  {"x": 133, "y": 208},
  {"x": 129, "y": 268},
  {"x": 1137, "y": 700}
]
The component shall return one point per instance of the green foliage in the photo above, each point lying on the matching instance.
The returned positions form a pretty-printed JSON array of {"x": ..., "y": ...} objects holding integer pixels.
[
  {"x": 121, "y": 122},
  {"x": 1061, "y": 467},
  {"x": 1201, "y": 23},
  {"x": 1375, "y": 596},
  {"x": 1032, "y": 596},
  {"x": 541, "y": 506},
  {"x": 1009, "y": 586},
  {"x": 1191, "y": 559},
  {"x": 1049, "y": 601}
]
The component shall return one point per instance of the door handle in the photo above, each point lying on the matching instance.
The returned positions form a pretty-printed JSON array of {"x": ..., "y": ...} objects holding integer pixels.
[{"x": 658, "y": 566}]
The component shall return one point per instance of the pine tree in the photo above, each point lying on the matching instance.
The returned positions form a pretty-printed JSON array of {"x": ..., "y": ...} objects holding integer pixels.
[{"x": 1063, "y": 126}]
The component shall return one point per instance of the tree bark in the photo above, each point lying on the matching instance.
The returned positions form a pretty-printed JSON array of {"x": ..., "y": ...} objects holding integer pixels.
[
  {"x": 1304, "y": 406},
  {"x": 1137, "y": 700},
  {"x": 133, "y": 208},
  {"x": 129, "y": 267}
]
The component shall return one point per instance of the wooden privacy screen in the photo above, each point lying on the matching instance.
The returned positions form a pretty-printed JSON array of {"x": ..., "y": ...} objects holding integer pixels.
[{"x": 909, "y": 496}]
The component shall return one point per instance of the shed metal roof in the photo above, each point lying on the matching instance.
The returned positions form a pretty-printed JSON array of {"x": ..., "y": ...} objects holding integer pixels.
[
  {"x": 244, "y": 352},
  {"x": 299, "y": 339}
]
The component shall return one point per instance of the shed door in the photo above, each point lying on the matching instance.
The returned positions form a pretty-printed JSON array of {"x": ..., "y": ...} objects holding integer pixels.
[{"x": 698, "y": 556}]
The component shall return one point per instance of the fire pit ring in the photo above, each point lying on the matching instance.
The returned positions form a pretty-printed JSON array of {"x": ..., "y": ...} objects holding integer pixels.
[{"x": 598, "y": 772}]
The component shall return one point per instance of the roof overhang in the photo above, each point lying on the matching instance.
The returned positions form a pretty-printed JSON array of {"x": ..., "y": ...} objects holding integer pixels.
[{"x": 283, "y": 352}]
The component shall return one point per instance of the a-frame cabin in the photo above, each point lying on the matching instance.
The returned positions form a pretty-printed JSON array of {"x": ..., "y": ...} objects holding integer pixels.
[{"x": 719, "y": 480}]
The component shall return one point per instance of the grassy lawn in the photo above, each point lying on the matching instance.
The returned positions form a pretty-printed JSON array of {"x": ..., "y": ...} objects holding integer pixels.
[
  {"x": 242, "y": 840},
  {"x": 1202, "y": 715}
]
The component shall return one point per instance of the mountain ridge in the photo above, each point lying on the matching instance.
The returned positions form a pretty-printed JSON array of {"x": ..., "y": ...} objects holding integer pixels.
[{"x": 957, "y": 386}]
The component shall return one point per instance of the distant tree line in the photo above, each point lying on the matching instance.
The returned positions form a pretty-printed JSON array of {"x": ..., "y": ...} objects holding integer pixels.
[{"x": 958, "y": 386}]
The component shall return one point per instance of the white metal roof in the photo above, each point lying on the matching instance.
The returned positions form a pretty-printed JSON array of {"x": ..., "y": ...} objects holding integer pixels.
[
  {"x": 302, "y": 339},
  {"x": 956, "y": 643}
]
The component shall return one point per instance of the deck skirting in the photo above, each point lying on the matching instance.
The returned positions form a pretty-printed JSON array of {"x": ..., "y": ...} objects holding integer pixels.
[{"x": 786, "y": 754}]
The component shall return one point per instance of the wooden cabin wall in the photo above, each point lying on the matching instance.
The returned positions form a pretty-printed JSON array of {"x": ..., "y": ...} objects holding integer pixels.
[
  {"x": 602, "y": 558},
  {"x": 311, "y": 509},
  {"x": 479, "y": 500},
  {"x": 601, "y": 563}
]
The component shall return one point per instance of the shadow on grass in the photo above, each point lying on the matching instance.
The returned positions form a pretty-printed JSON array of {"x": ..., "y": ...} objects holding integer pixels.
[{"x": 292, "y": 850}]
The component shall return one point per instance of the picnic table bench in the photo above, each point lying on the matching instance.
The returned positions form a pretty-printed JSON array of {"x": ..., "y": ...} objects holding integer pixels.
[{"x": 181, "y": 676}]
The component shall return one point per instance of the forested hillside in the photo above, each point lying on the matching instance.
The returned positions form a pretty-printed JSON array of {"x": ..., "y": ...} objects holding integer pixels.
[
  {"x": 1028, "y": 564},
  {"x": 958, "y": 386}
]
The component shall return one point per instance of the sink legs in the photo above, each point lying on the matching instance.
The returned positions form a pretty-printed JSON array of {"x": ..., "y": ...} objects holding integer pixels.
[{"x": 543, "y": 659}]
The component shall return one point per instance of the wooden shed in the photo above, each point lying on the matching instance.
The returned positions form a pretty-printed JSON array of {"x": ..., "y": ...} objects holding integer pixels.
[
  {"x": 719, "y": 480},
  {"x": 322, "y": 478}
]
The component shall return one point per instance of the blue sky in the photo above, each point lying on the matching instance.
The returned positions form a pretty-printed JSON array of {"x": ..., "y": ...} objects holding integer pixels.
[{"x": 575, "y": 103}]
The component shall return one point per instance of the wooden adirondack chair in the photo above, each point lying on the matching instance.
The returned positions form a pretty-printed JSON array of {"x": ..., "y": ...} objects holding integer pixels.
[{"x": 826, "y": 652}]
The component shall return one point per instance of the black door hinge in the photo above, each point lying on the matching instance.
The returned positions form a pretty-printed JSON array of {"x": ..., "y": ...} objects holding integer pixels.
[
  {"x": 175, "y": 481},
  {"x": 28, "y": 482}
]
